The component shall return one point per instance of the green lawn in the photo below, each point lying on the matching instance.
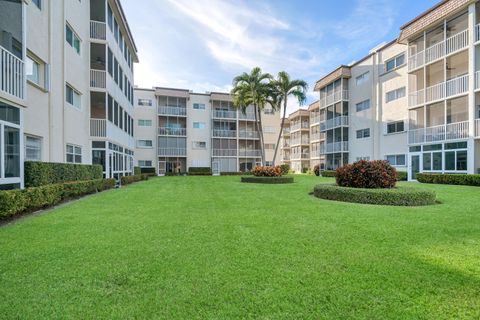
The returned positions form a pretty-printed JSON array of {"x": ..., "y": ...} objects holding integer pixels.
[{"x": 213, "y": 248}]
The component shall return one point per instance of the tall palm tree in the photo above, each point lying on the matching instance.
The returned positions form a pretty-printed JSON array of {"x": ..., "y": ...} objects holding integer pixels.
[
  {"x": 285, "y": 87},
  {"x": 252, "y": 89}
]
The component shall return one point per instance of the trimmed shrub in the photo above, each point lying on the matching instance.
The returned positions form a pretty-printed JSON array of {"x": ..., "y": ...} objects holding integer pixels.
[
  {"x": 45, "y": 173},
  {"x": 150, "y": 171},
  {"x": 390, "y": 197},
  {"x": 285, "y": 168},
  {"x": 137, "y": 170},
  {"x": 12, "y": 202},
  {"x": 455, "y": 179},
  {"x": 328, "y": 174},
  {"x": 367, "y": 174},
  {"x": 267, "y": 180},
  {"x": 267, "y": 171},
  {"x": 131, "y": 179},
  {"x": 402, "y": 176},
  {"x": 199, "y": 171}
]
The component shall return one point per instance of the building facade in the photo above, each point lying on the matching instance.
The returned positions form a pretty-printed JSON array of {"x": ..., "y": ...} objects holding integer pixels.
[{"x": 176, "y": 129}]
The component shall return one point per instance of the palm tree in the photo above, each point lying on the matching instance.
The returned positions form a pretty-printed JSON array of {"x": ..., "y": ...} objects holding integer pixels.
[
  {"x": 285, "y": 87},
  {"x": 253, "y": 89}
]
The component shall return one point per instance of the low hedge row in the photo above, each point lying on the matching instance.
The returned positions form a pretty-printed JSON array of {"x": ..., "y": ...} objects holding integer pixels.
[
  {"x": 391, "y": 197},
  {"x": 150, "y": 171},
  {"x": 455, "y": 179},
  {"x": 14, "y": 202},
  {"x": 45, "y": 173},
  {"x": 235, "y": 173},
  {"x": 132, "y": 179},
  {"x": 199, "y": 171},
  {"x": 402, "y": 175},
  {"x": 267, "y": 180},
  {"x": 329, "y": 173}
]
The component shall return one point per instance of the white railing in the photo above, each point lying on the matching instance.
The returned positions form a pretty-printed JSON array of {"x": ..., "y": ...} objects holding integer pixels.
[
  {"x": 341, "y": 146},
  {"x": 314, "y": 120},
  {"x": 98, "y": 30},
  {"x": 248, "y": 134},
  {"x": 223, "y": 114},
  {"x": 299, "y": 141},
  {"x": 435, "y": 52},
  {"x": 98, "y": 79},
  {"x": 456, "y": 42},
  {"x": 298, "y": 126},
  {"x": 224, "y": 152},
  {"x": 246, "y": 116},
  {"x": 250, "y": 153},
  {"x": 452, "y": 87},
  {"x": 172, "y": 151},
  {"x": 451, "y": 131},
  {"x": 224, "y": 133},
  {"x": 334, "y": 98},
  {"x": 98, "y": 127},
  {"x": 165, "y": 131},
  {"x": 12, "y": 74},
  {"x": 334, "y": 123},
  {"x": 416, "y": 60},
  {"x": 172, "y": 111},
  {"x": 477, "y": 128}
]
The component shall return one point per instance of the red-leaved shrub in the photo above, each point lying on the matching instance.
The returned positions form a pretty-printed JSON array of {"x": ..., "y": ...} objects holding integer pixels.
[
  {"x": 267, "y": 171},
  {"x": 376, "y": 174}
]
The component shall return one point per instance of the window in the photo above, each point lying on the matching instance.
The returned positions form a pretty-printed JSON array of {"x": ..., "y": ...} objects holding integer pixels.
[
  {"x": 145, "y": 163},
  {"x": 11, "y": 151},
  {"x": 395, "y": 94},
  {"x": 110, "y": 62},
  {"x": 145, "y": 102},
  {"x": 72, "y": 96},
  {"x": 144, "y": 123},
  {"x": 33, "y": 148},
  {"x": 396, "y": 159},
  {"x": 38, "y": 3},
  {"x": 363, "y": 133},
  {"x": 110, "y": 18},
  {"x": 199, "y": 145},
  {"x": 364, "y": 105},
  {"x": 363, "y": 158},
  {"x": 74, "y": 154},
  {"x": 110, "y": 108},
  {"x": 269, "y": 163},
  {"x": 72, "y": 38},
  {"x": 395, "y": 62},
  {"x": 362, "y": 78},
  {"x": 144, "y": 143},
  {"x": 115, "y": 70},
  {"x": 199, "y": 125},
  {"x": 456, "y": 160},
  {"x": 198, "y": 106},
  {"x": 394, "y": 127},
  {"x": 32, "y": 69}
]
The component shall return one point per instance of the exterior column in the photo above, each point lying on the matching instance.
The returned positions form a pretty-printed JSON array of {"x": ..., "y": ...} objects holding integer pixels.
[{"x": 471, "y": 89}]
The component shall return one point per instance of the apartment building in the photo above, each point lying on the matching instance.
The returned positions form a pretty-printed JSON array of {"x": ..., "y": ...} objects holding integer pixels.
[
  {"x": 176, "y": 129},
  {"x": 67, "y": 85},
  {"x": 299, "y": 140}
]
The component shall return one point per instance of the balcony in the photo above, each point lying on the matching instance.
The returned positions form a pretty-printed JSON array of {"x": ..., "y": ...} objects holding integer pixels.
[
  {"x": 98, "y": 30},
  {"x": 302, "y": 141},
  {"x": 248, "y": 134},
  {"x": 286, "y": 131},
  {"x": 165, "y": 131},
  {"x": 334, "y": 98},
  {"x": 172, "y": 111},
  {"x": 224, "y": 152},
  {"x": 439, "y": 50},
  {"x": 451, "y": 131},
  {"x": 172, "y": 152},
  {"x": 223, "y": 114},
  {"x": 246, "y": 116},
  {"x": 299, "y": 126},
  {"x": 286, "y": 158},
  {"x": 224, "y": 133},
  {"x": 333, "y": 123},
  {"x": 12, "y": 74},
  {"x": 98, "y": 128},
  {"x": 315, "y": 136},
  {"x": 101, "y": 128},
  {"x": 250, "y": 153},
  {"x": 300, "y": 156},
  {"x": 98, "y": 79},
  {"x": 341, "y": 146},
  {"x": 453, "y": 87}
]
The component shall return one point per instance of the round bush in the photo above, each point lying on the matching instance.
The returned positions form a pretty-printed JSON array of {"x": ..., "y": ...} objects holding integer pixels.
[
  {"x": 267, "y": 171},
  {"x": 391, "y": 197},
  {"x": 267, "y": 180},
  {"x": 376, "y": 174}
]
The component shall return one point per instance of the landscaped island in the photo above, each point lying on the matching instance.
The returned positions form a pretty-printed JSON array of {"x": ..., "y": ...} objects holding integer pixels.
[{"x": 268, "y": 175}]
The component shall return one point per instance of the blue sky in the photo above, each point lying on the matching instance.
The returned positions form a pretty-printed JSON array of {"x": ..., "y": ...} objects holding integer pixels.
[{"x": 202, "y": 44}]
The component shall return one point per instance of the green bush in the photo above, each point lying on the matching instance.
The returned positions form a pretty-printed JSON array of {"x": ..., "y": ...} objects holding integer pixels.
[
  {"x": 150, "y": 171},
  {"x": 18, "y": 201},
  {"x": 402, "y": 176},
  {"x": 235, "y": 173},
  {"x": 391, "y": 197},
  {"x": 285, "y": 168},
  {"x": 267, "y": 180},
  {"x": 376, "y": 174},
  {"x": 137, "y": 170},
  {"x": 328, "y": 173},
  {"x": 131, "y": 179},
  {"x": 45, "y": 173},
  {"x": 455, "y": 179},
  {"x": 199, "y": 171}
]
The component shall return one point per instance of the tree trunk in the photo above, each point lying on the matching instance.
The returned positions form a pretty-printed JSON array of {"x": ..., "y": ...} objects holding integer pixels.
[
  {"x": 281, "y": 129},
  {"x": 262, "y": 141},
  {"x": 256, "y": 118}
]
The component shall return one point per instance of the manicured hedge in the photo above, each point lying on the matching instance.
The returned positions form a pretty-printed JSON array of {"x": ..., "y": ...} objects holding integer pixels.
[
  {"x": 328, "y": 173},
  {"x": 45, "y": 173},
  {"x": 235, "y": 173},
  {"x": 285, "y": 168},
  {"x": 137, "y": 170},
  {"x": 131, "y": 179},
  {"x": 267, "y": 180},
  {"x": 14, "y": 202},
  {"x": 402, "y": 176},
  {"x": 391, "y": 197},
  {"x": 199, "y": 171},
  {"x": 150, "y": 171},
  {"x": 455, "y": 179}
]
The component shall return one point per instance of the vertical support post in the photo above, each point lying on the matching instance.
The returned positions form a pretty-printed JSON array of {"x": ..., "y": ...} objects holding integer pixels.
[{"x": 471, "y": 89}]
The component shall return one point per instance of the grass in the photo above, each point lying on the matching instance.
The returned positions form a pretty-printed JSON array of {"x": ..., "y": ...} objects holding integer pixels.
[{"x": 212, "y": 247}]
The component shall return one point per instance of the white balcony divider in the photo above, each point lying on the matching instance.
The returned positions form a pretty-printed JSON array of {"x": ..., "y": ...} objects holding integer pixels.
[
  {"x": 164, "y": 131},
  {"x": 172, "y": 151},
  {"x": 477, "y": 128},
  {"x": 98, "y": 30},
  {"x": 12, "y": 74},
  {"x": 451, "y": 131},
  {"x": 172, "y": 111},
  {"x": 334, "y": 98},
  {"x": 98, "y": 127},
  {"x": 224, "y": 114},
  {"x": 452, "y": 87},
  {"x": 477, "y": 33},
  {"x": 248, "y": 134},
  {"x": 98, "y": 79},
  {"x": 224, "y": 152},
  {"x": 224, "y": 133},
  {"x": 250, "y": 153}
]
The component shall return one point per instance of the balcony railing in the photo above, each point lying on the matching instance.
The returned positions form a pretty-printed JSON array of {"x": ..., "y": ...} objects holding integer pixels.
[
  {"x": 300, "y": 141},
  {"x": 246, "y": 116},
  {"x": 314, "y": 120},
  {"x": 98, "y": 30},
  {"x": 98, "y": 128},
  {"x": 341, "y": 121},
  {"x": 250, "y": 153},
  {"x": 477, "y": 128},
  {"x": 298, "y": 126},
  {"x": 223, "y": 114},
  {"x": 98, "y": 79},
  {"x": 172, "y": 151},
  {"x": 451, "y": 131},
  {"x": 341, "y": 146},
  {"x": 12, "y": 74},
  {"x": 437, "y": 51},
  {"x": 286, "y": 131},
  {"x": 248, "y": 134},
  {"x": 224, "y": 152},
  {"x": 225, "y": 133},
  {"x": 315, "y": 136},
  {"x": 452, "y": 87},
  {"x": 165, "y": 131},
  {"x": 334, "y": 98},
  {"x": 298, "y": 156},
  {"x": 172, "y": 111}
]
